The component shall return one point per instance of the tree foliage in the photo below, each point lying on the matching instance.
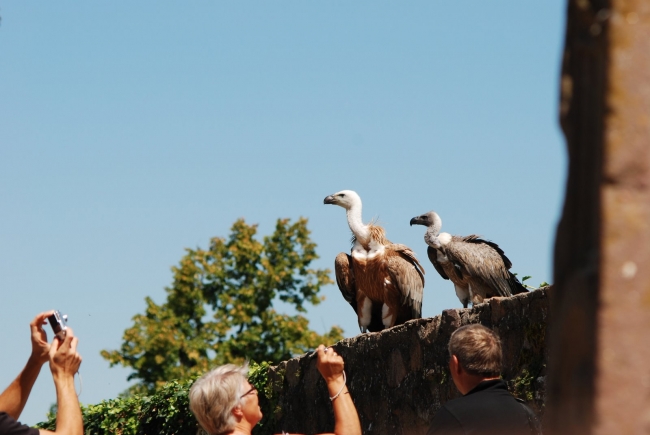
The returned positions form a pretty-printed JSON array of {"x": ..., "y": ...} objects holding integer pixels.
[{"x": 219, "y": 308}]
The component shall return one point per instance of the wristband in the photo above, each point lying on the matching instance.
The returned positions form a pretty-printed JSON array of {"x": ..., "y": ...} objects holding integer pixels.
[{"x": 341, "y": 390}]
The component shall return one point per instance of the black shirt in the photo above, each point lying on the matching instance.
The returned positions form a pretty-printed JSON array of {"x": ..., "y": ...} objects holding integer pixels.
[
  {"x": 486, "y": 410},
  {"x": 9, "y": 426}
]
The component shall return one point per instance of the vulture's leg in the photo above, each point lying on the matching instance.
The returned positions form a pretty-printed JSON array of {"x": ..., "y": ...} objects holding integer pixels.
[
  {"x": 463, "y": 295},
  {"x": 387, "y": 318},
  {"x": 471, "y": 293},
  {"x": 364, "y": 305}
]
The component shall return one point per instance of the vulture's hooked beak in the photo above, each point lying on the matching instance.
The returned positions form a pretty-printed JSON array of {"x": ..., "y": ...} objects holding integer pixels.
[
  {"x": 415, "y": 221},
  {"x": 329, "y": 200}
]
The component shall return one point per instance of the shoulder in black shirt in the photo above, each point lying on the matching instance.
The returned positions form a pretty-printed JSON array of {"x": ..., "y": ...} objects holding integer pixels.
[
  {"x": 489, "y": 409},
  {"x": 9, "y": 426}
]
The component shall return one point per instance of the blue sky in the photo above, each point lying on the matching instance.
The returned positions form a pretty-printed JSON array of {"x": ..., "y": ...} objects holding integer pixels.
[{"x": 129, "y": 132}]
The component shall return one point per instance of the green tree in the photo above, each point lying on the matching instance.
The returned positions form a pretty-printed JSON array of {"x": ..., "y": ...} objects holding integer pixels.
[{"x": 219, "y": 308}]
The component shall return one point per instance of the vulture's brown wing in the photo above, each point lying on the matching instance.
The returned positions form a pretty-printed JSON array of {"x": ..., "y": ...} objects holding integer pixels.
[
  {"x": 408, "y": 276},
  {"x": 481, "y": 260},
  {"x": 513, "y": 283},
  {"x": 345, "y": 278},
  {"x": 433, "y": 257}
]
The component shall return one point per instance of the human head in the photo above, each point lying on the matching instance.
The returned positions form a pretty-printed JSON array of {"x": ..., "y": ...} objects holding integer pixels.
[
  {"x": 478, "y": 350},
  {"x": 216, "y": 398}
]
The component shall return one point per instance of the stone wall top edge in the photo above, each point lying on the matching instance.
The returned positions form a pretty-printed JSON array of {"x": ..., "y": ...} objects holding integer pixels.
[{"x": 428, "y": 324}]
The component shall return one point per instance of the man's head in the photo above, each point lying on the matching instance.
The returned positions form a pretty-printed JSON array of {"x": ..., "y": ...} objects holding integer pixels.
[{"x": 475, "y": 355}]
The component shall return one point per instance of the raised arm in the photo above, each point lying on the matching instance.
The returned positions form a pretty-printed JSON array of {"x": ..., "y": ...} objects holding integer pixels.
[
  {"x": 330, "y": 365},
  {"x": 13, "y": 399},
  {"x": 64, "y": 363}
]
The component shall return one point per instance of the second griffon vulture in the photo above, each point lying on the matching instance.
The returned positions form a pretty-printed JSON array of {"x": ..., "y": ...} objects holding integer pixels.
[
  {"x": 383, "y": 281},
  {"x": 478, "y": 268}
]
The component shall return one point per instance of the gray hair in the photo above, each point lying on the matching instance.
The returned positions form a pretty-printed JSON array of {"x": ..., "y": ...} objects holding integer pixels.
[
  {"x": 214, "y": 396},
  {"x": 478, "y": 350}
]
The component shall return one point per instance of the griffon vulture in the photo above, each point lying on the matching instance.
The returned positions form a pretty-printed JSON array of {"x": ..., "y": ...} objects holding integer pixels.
[
  {"x": 383, "y": 281},
  {"x": 478, "y": 268}
]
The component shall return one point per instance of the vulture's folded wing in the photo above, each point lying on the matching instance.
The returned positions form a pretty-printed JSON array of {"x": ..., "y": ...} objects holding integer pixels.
[
  {"x": 433, "y": 257},
  {"x": 482, "y": 260},
  {"x": 345, "y": 278},
  {"x": 408, "y": 275}
]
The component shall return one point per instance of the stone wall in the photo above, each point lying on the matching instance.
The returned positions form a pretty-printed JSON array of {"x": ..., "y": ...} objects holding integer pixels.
[{"x": 399, "y": 377}]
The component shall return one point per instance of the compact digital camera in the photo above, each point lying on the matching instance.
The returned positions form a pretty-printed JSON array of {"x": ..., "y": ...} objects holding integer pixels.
[{"x": 58, "y": 322}]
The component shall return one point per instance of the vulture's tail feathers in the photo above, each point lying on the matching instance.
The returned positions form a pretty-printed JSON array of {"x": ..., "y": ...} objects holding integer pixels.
[{"x": 515, "y": 286}]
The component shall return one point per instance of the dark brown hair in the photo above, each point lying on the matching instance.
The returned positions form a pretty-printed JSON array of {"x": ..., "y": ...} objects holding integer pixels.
[{"x": 478, "y": 350}]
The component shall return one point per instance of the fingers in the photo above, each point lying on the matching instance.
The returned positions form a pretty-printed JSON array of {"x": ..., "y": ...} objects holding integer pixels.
[
  {"x": 73, "y": 343},
  {"x": 54, "y": 347},
  {"x": 329, "y": 362},
  {"x": 63, "y": 354},
  {"x": 69, "y": 342},
  {"x": 40, "y": 347},
  {"x": 330, "y": 365},
  {"x": 328, "y": 354},
  {"x": 76, "y": 358},
  {"x": 69, "y": 338},
  {"x": 322, "y": 350},
  {"x": 39, "y": 320}
]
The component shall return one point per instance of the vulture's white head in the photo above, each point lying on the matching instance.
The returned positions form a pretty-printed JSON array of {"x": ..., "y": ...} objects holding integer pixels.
[{"x": 345, "y": 198}]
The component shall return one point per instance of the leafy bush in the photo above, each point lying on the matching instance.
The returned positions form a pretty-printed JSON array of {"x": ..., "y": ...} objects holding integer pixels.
[{"x": 166, "y": 412}]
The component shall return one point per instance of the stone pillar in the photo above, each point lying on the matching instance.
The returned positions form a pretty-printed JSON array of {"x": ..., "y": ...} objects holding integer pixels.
[{"x": 599, "y": 368}]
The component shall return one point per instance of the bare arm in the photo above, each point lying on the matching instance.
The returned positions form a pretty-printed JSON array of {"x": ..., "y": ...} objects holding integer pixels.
[
  {"x": 346, "y": 420},
  {"x": 330, "y": 365},
  {"x": 64, "y": 363},
  {"x": 13, "y": 399}
]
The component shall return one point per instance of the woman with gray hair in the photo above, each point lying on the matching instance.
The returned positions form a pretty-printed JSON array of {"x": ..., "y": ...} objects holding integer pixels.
[{"x": 225, "y": 403}]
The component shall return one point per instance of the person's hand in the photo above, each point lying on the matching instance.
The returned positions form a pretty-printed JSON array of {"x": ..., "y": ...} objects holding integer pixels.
[
  {"x": 329, "y": 364},
  {"x": 40, "y": 346},
  {"x": 64, "y": 359}
]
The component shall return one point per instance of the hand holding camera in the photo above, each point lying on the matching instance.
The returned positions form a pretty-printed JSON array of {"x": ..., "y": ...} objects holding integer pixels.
[
  {"x": 40, "y": 346},
  {"x": 64, "y": 358},
  {"x": 58, "y": 322},
  {"x": 64, "y": 363}
]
